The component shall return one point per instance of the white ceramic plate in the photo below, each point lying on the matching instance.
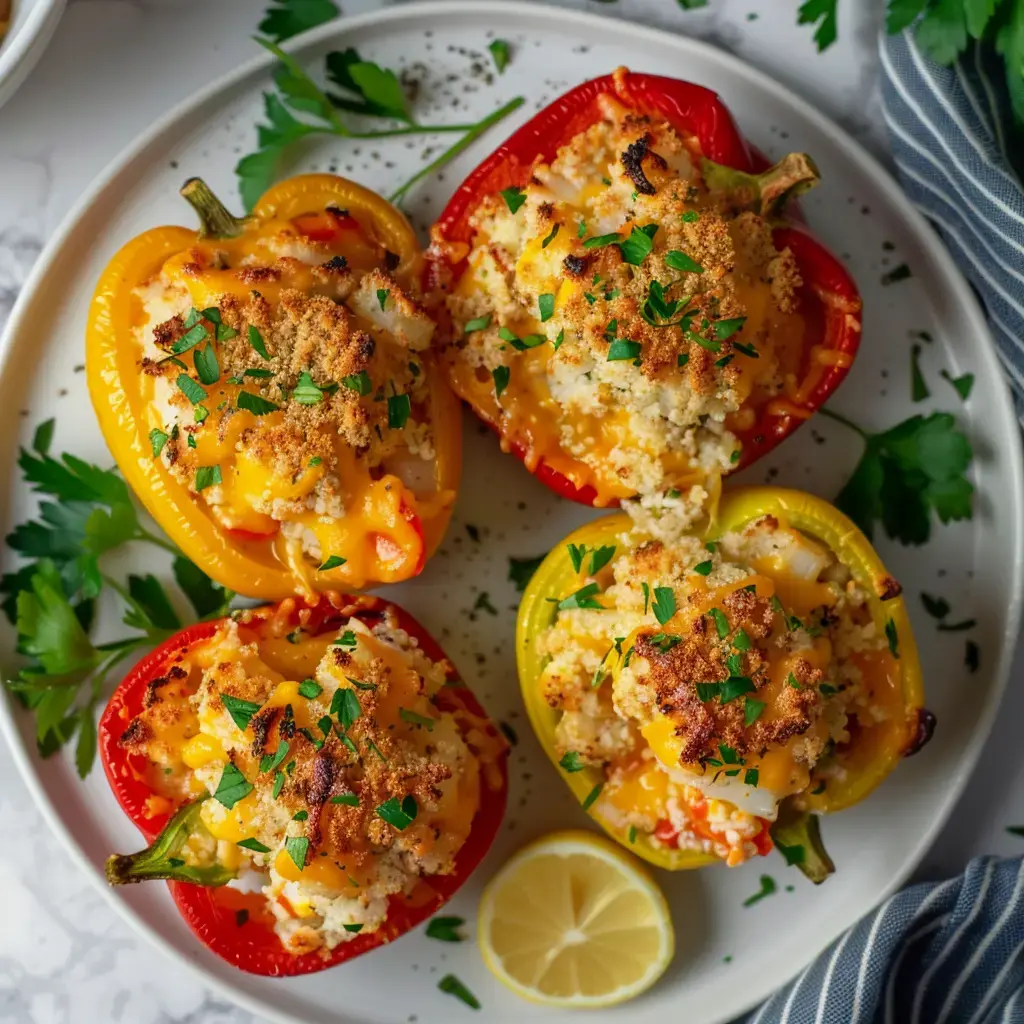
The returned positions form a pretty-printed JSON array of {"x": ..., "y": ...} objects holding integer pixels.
[
  {"x": 32, "y": 26},
  {"x": 728, "y": 957}
]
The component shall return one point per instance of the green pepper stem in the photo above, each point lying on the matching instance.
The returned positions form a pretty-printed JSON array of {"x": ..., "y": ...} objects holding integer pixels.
[
  {"x": 798, "y": 837},
  {"x": 768, "y": 192},
  {"x": 215, "y": 219},
  {"x": 161, "y": 860}
]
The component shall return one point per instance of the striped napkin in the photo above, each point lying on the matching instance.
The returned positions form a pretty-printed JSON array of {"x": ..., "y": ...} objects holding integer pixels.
[{"x": 949, "y": 953}]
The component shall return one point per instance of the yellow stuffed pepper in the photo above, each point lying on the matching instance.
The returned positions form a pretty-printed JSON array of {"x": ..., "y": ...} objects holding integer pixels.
[
  {"x": 267, "y": 388},
  {"x": 707, "y": 699}
]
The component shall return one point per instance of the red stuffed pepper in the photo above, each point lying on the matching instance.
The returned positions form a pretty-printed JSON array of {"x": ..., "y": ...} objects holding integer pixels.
[
  {"x": 624, "y": 303},
  {"x": 314, "y": 781}
]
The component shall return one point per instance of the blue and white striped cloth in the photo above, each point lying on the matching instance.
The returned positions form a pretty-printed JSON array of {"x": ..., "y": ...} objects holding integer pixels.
[
  {"x": 949, "y": 953},
  {"x": 955, "y": 144}
]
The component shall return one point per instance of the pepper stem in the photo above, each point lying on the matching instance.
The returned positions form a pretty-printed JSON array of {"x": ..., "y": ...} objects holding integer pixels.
[
  {"x": 215, "y": 219},
  {"x": 798, "y": 838},
  {"x": 162, "y": 860},
  {"x": 768, "y": 192}
]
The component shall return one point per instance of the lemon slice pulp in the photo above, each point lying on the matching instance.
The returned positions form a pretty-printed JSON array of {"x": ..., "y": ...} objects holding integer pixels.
[{"x": 572, "y": 920}]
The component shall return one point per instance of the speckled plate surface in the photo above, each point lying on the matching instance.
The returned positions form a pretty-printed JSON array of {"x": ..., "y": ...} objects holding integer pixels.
[{"x": 728, "y": 957}]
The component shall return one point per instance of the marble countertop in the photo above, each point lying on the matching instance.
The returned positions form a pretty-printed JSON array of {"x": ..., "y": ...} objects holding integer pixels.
[{"x": 113, "y": 67}]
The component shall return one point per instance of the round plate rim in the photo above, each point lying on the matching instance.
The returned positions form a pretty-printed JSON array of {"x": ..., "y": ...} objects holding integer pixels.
[
  {"x": 27, "y": 44},
  {"x": 532, "y": 13}
]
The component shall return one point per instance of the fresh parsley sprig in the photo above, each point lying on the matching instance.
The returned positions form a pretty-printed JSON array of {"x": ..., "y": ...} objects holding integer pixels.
[
  {"x": 906, "y": 473},
  {"x": 52, "y": 600},
  {"x": 364, "y": 88},
  {"x": 943, "y": 29}
]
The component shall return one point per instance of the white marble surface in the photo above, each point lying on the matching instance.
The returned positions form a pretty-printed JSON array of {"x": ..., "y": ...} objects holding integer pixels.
[{"x": 114, "y": 66}]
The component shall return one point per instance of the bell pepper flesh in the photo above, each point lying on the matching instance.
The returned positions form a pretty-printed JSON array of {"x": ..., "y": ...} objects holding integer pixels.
[
  {"x": 867, "y": 763},
  {"x": 246, "y": 557},
  {"x": 247, "y": 940},
  {"x": 829, "y": 298}
]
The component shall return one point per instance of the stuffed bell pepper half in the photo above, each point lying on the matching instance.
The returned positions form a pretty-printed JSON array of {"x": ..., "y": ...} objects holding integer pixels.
[
  {"x": 314, "y": 780},
  {"x": 706, "y": 697},
  {"x": 624, "y": 302},
  {"x": 267, "y": 389}
]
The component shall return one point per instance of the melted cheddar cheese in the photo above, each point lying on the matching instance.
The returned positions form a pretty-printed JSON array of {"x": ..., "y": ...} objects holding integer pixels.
[
  {"x": 618, "y": 320},
  {"x": 715, "y": 681},
  {"x": 289, "y": 389},
  {"x": 331, "y": 760}
]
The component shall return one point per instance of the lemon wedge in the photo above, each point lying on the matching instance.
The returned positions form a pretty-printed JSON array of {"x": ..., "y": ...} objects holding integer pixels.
[{"x": 572, "y": 920}]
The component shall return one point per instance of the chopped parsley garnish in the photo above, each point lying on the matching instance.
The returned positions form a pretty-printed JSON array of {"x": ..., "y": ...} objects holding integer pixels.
[
  {"x": 399, "y": 408},
  {"x": 521, "y": 344},
  {"x": 207, "y": 367},
  {"x": 232, "y": 787},
  {"x": 690, "y": 217},
  {"x": 514, "y": 198},
  {"x": 300, "y": 816},
  {"x": 571, "y": 762},
  {"x": 546, "y": 306},
  {"x": 346, "y": 799},
  {"x": 962, "y": 384},
  {"x": 704, "y": 568},
  {"x": 892, "y": 637},
  {"x": 725, "y": 329},
  {"x": 310, "y": 689},
  {"x": 664, "y": 606},
  {"x": 582, "y": 598},
  {"x": 297, "y": 847},
  {"x": 768, "y": 887},
  {"x": 792, "y": 681},
  {"x": 581, "y": 229},
  {"x": 592, "y": 796},
  {"x": 355, "y": 929},
  {"x": 398, "y": 815},
  {"x": 253, "y": 844},
  {"x": 705, "y": 343},
  {"x": 345, "y": 707},
  {"x": 680, "y": 261},
  {"x": 751, "y": 776},
  {"x": 622, "y": 350},
  {"x": 207, "y": 476},
  {"x": 918, "y": 387},
  {"x": 306, "y": 392},
  {"x": 359, "y": 685},
  {"x": 639, "y": 244},
  {"x": 752, "y": 711},
  {"x": 359, "y": 382},
  {"x": 500, "y": 52},
  {"x": 632, "y": 834},
  {"x": 741, "y": 641},
  {"x": 453, "y": 987},
  {"x": 382, "y": 297},
  {"x": 412, "y": 718},
  {"x": 602, "y": 240},
  {"x": 190, "y": 389},
  {"x": 192, "y": 337},
  {"x": 256, "y": 340},
  {"x": 721, "y": 622},
  {"x": 557, "y": 344},
  {"x": 501, "y": 376},
  {"x": 551, "y": 237},
  {"x": 576, "y": 555},
  {"x": 735, "y": 686},
  {"x": 600, "y": 557},
  {"x": 275, "y": 792},
  {"x": 521, "y": 570},
  {"x": 241, "y": 711},
  {"x": 444, "y": 929},
  {"x": 480, "y": 323},
  {"x": 331, "y": 563},
  {"x": 373, "y": 746},
  {"x": 255, "y": 404},
  {"x": 271, "y": 762},
  {"x": 157, "y": 439},
  {"x": 314, "y": 462}
]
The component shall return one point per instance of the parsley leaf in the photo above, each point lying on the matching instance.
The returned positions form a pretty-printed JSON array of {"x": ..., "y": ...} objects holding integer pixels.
[
  {"x": 287, "y": 18},
  {"x": 232, "y": 787},
  {"x": 823, "y": 13},
  {"x": 521, "y": 570},
  {"x": 444, "y": 929},
  {"x": 500, "y": 52},
  {"x": 905, "y": 474}
]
